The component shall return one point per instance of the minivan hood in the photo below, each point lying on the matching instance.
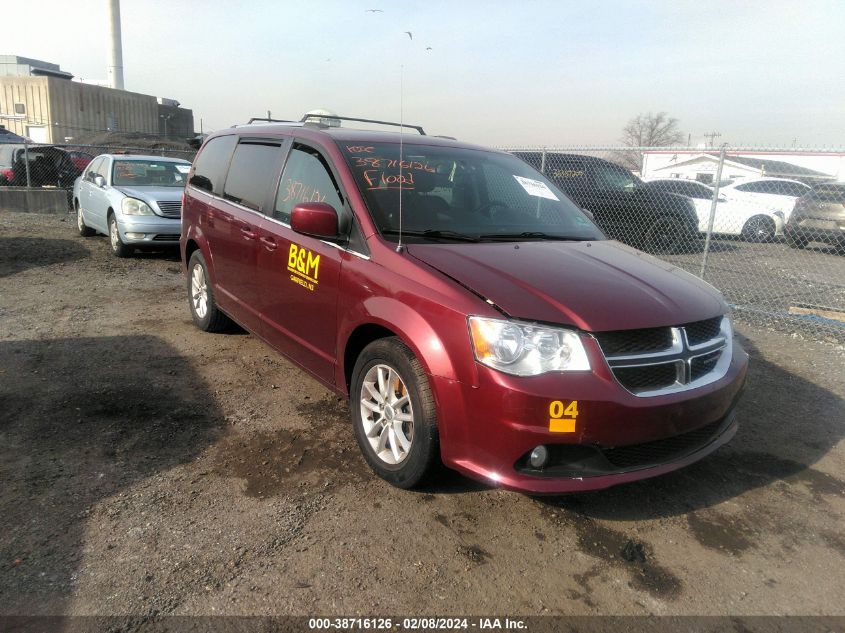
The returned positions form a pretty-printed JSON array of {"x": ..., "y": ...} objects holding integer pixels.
[{"x": 596, "y": 286}]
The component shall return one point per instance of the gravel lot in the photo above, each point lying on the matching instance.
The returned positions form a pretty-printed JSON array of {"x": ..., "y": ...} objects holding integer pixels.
[{"x": 148, "y": 468}]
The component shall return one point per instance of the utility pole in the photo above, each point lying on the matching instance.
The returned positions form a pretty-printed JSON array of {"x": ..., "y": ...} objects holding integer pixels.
[{"x": 712, "y": 136}]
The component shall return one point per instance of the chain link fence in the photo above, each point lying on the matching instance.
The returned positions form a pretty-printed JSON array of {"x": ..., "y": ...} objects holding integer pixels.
[
  {"x": 766, "y": 227},
  {"x": 31, "y": 165}
]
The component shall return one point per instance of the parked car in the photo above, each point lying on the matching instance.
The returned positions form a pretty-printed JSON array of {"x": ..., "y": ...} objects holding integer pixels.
[
  {"x": 752, "y": 221},
  {"x": 135, "y": 200},
  {"x": 48, "y": 166},
  {"x": 466, "y": 307},
  {"x": 80, "y": 159},
  {"x": 819, "y": 216},
  {"x": 619, "y": 202},
  {"x": 778, "y": 194}
]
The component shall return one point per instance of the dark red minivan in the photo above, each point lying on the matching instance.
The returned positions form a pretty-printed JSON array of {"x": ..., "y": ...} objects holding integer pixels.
[{"x": 471, "y": 312}]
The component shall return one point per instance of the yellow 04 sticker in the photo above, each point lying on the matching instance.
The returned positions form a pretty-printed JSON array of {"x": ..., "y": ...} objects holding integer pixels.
[{"x": 562, "y": 416}]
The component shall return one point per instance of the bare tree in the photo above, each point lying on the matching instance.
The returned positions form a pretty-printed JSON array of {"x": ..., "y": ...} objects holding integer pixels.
[{"x": 648, "y": 130}]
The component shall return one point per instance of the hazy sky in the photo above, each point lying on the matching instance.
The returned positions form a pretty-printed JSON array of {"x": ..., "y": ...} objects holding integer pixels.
[{"x": 499, "y": 72}]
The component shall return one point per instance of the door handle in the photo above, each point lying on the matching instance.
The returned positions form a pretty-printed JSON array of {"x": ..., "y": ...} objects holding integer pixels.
[
  {"x": 247, "y": 233},
  {"x": 269, "y": 243}
]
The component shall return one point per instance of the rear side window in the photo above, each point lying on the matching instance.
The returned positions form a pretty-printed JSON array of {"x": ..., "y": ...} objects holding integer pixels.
[
  {"x": 251, "y": 173},
  {"x": 306, "y": 179},
  {"x": 212, "y": 163}
]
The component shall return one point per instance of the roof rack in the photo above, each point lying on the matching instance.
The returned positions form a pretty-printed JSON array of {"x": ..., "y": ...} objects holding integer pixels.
[
  {"x": 305, "y": 119},
  {"x": 268, "y": 120}
]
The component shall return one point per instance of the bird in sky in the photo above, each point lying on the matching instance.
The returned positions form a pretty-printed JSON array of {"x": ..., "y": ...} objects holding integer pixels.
[
  {"x": 373, "y": 11},
  {"x": 428, "y": 48},
  {"x": 411, "y": 35}
]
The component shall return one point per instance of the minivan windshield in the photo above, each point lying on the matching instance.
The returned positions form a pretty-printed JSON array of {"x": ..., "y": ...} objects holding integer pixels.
[
  {"x": 456, "y": 194},
  {"x": 145, "y": 173}
]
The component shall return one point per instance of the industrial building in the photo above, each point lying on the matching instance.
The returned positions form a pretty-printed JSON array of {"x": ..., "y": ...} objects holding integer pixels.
[{"x": 39, "y": 100}]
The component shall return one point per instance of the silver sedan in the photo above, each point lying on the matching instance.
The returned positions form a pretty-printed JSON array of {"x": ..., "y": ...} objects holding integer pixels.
[{"x": 135, "y": 200}]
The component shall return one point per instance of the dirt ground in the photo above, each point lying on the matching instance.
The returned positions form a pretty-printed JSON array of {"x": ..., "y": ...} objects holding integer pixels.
[{"x": 149, "y": 468}]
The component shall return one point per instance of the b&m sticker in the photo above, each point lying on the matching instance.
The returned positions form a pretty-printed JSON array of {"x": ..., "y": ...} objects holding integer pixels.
[{"x": 305, "y": 267}]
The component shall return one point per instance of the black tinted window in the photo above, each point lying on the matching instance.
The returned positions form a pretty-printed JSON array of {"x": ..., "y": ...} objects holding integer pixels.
[
  {"x": 794, "y": 189},
  {"x": 252, "y": 172},
  {"x": 212, "y": 163},
  {"x": 306, "y": 179},
  {"x": 613, "y": 178}
]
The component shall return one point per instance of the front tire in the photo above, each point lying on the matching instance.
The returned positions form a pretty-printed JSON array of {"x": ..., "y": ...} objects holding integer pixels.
[
  {"x": 204, "y": 311},
  {"x": 84, "y": 229},
  {"x": 118, "y": 248},
  {"x": 393, "y": 413}
]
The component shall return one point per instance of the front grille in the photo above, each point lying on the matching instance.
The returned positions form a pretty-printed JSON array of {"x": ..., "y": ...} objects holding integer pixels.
[
  {"x": 638, "y": 455},
  {"x": 170, "y": 209},
  {"x": 166, "y": 237},
  {"x": 703, "y": 365},
  {"x": 703, "y": 331},
  {"x": 634, "y": 341},
  {"x": 647, "y": 377},
  {"x": 651, "y": 361}
]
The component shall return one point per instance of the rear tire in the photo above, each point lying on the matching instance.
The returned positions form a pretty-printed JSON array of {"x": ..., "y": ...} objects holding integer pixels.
[
  {"x": 204, "y": 311},
  {"x": 393, "y": 413},
  {"x": 665, "y": 235},
  {"x": 759, "y": 228},
  {"x": 84, "y": 229},
  {"x": 796, "y": 241}
]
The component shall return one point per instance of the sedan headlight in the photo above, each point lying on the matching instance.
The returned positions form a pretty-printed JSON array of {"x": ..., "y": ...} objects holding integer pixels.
[
  {"x": 133, "y": 206},
  {"x": 526, "y": 349}
]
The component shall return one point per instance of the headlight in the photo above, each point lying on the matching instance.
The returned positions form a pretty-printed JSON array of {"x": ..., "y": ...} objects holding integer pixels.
[
  {"x": 132, "y": 206},
  {"x": 525, "y": 349}
]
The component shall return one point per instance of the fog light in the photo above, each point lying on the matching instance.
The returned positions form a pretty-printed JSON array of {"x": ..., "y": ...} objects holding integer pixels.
[
  {"x": 539, "y": 456},
  {"x": 135, "y": 236}
]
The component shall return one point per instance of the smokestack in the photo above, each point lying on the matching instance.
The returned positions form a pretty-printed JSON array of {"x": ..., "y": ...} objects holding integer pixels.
[{"x": 116, "y": 54}]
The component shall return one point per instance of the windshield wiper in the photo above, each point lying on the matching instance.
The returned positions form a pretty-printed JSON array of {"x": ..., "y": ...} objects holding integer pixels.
[
  {"x": 434, "y": 234},
  {"x": 535, "y": 235}
]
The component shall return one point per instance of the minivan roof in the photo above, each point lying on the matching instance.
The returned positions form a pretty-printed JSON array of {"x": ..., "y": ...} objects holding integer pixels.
[{"x": 345, "y": 135}]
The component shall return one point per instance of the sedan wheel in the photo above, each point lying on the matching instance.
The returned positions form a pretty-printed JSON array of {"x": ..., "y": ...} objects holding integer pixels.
[
  {"x": 83, "y": 229},
  {"x": 117, "y": 246},
  {"x": 759, "y": 229}
]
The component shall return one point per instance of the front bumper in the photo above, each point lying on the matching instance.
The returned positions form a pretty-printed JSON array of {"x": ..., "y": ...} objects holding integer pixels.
[
  {"x": 616, "y": 437},
  {"x": 824, "y": 230},
  {"x": 149, "y": 229}
]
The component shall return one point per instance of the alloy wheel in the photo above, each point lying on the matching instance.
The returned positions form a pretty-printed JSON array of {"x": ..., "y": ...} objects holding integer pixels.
[
  {"x": 387, "y": 414},
  {"x": 199, "y": 291}
]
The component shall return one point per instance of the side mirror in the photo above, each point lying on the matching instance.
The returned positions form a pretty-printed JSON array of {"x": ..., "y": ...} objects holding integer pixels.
[
  {"x": 316, "y": 219},
  {"x": 99, "y": 181},
  {"x": 588, "y": 213}
]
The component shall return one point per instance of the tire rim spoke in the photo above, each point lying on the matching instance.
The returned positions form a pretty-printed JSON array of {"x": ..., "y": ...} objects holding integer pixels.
[
  {"x": 371, "y": 389},
  {"x": 399, "y": 435},
  {"x": 387, "y": 415}
]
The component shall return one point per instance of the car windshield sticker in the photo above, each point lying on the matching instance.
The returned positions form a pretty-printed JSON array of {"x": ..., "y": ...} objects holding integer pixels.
[{"x": 536, "y": 188}]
